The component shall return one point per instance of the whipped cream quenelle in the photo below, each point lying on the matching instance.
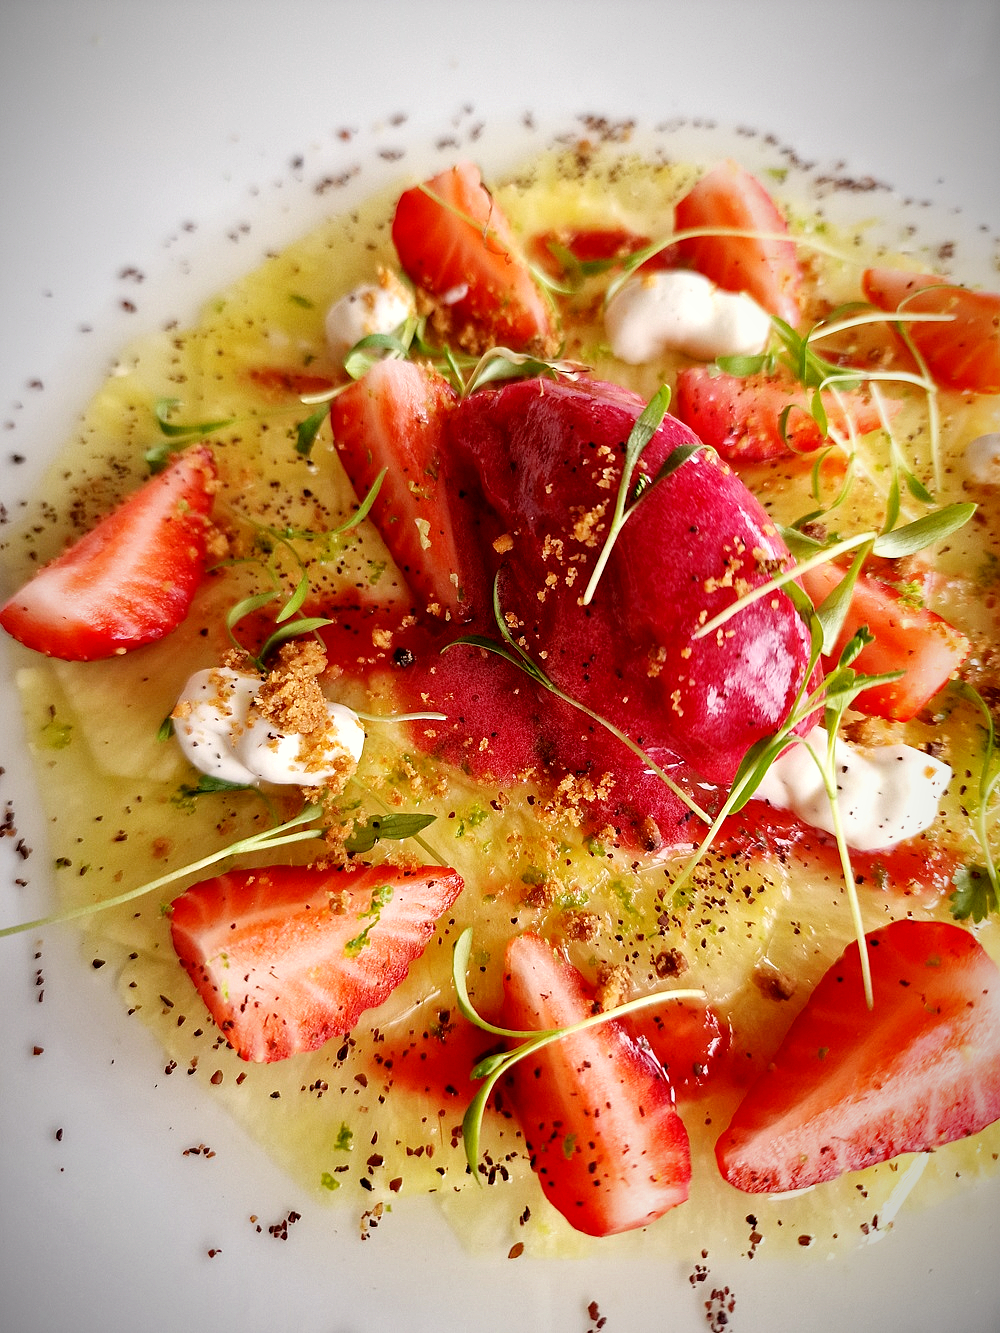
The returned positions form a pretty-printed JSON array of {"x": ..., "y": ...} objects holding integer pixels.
[
  {"x": 884, "y": 794},
  {"x": 682, "y": 311},
  {"x": 224, "y": 735}
]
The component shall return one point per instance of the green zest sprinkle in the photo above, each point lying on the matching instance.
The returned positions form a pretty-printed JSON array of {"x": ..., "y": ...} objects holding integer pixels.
[{"x": 380, "y": 897}]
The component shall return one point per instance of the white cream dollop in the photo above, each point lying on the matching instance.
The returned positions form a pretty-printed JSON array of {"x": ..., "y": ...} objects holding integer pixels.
[
  {"x": 682, "y": 311},
  {"x": 982, "y": 459},
  {"x": 224, "y": 736},
  {"x": 372, "y": 307},
  {"x": 884, "y": 794}
]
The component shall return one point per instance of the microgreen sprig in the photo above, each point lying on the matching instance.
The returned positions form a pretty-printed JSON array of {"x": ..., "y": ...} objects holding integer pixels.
[
  {"x": 835, "y": 694},
  {"x": 291, "y": 831},
  {"x": 977, "y": 891},
  {"x": 899, "y": 542},
  {"x": 630, "y": 494},
  {"x": 512, "y": 652},
  {"x": 286, "y": 627},
  {"x": 493, "y": 1067}
]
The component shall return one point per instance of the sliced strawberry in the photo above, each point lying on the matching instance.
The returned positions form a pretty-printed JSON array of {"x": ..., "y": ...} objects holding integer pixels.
[
  {"x": 849, "y": 1086},
  {"x": 961, "y": 353},
  {"x": 742, "y": 416},
  {"x": 909, "y": 639},
  {"x": 131, "y": 579},
  {"x": 289, "y": 956},
  {"x": 455, "y": 244},
  {"x": 609, "y": 1149},
  {"x": 764, "y": 266},
  {"x": 394, "y": 418}
]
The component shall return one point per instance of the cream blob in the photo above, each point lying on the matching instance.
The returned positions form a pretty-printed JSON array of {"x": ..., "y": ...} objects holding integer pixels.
[
  {"x": 683, "y": 311},
  {"x": 884, "y": 794},
  {"x": 224, "y": 736},
  {"x": 372, "y": 307}
]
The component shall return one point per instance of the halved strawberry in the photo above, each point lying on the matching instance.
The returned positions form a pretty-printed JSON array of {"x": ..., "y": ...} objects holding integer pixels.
[
  {"x": 765, "y": 266},
  {"x": 742, "y": 416},
  {"x": 287, "y": 957},
  {"x": 394, "y": 418},
  {"x": 609, "y": 1149},
  {"x": 961, "y": 353},
  {"x": 849, "y": 1086},
  {"x": 910, "y": 639},
  {"x": 131, "y": 579},
  {"x": 455, "y": 244}
]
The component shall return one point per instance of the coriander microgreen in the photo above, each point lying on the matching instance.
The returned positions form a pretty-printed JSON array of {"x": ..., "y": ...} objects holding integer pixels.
[
  {"x": 491, "y": 1068},
  {"x": 631, "y": 493},
  {"x": 977, "y": 890},
  {"x": 975, "y": 893},
  {"x": 512, "y": 652},
  {"x": 289, "y": 832}
]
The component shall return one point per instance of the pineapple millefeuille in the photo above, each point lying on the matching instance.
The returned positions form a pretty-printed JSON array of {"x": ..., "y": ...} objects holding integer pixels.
[{"x": 556, "y": 622}]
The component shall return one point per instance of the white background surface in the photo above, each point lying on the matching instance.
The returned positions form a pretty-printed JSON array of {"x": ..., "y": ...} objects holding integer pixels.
[{"x": 121, "y": 122}]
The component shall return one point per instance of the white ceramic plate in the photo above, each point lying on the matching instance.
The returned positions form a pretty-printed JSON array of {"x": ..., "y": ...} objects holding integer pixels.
[{"x": 181, "y": 140}]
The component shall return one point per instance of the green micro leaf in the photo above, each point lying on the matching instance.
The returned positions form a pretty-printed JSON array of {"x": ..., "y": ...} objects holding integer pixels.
[
  {"x": 291, "y": 831},
  {"x": 923, "y": 532},
  {"x": 975, "y": 895},
  {"x": 307, "y": 430},
  {"x": 190, "y": 430},
  {"x": 381, "y": 828}
]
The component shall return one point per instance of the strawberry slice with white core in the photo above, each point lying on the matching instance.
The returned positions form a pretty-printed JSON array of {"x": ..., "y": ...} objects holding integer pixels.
[
  {"x": 393, "y": 418},
  {"x": 849, "y": 1086},
  {"x": 287, "y": 957},
  {"x": 597, "y": 1111},
  {"x": 131, "y": 579}
]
